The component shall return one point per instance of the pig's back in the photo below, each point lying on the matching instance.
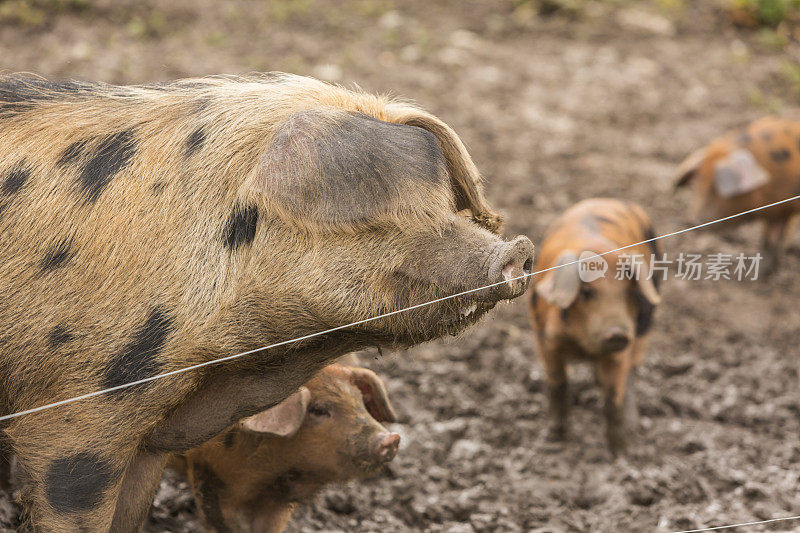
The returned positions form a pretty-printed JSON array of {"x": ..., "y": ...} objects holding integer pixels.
[
  {"x": 116, "y": 206},
  {"x": 598, "y": 225},
  {"x": 775, "y": 143}
]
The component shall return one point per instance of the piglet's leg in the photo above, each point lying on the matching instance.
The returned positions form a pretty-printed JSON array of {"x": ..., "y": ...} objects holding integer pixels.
[
  {"x": 773, "y": 242},
  {"x": 208, "y": 491},
  {"x": 638, "y": 350},
  {"x": 612, "y": 374},
  {"x": 272, "y": 517},
  {"x": 558, "y": 391}
]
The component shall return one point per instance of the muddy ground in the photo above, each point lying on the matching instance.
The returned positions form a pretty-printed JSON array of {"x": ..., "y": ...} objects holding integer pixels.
[{"x": 554, "y": 109}]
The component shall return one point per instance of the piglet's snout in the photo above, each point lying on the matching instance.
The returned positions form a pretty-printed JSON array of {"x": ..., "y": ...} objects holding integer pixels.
[
  {"x": 386, "y": 446},
  {"x": 513, "y": 260},
  {"x": 615, "y": 339}
]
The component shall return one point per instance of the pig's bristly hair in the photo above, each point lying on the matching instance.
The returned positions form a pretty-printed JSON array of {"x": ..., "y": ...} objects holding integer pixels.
[{"x": 385, "y": 315}]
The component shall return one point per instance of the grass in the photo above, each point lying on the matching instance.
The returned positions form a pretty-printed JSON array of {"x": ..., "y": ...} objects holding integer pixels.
[
  {"x": 36, "y": 13},
  {"x": 769, "y": 13}
]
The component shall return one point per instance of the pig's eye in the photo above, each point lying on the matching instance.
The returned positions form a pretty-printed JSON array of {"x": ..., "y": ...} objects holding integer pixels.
[
  {"x": 320, "y": 410},
  {"x": 587, "y": 293}
]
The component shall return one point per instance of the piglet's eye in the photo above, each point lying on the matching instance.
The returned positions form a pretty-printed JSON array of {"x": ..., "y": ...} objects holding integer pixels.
[
  {"x": 587, "y": 293},
  {"x": 319, "y": 410}
]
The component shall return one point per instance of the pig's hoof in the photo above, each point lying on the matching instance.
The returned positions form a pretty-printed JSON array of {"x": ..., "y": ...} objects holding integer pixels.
[{"x": 617, "y": 444}]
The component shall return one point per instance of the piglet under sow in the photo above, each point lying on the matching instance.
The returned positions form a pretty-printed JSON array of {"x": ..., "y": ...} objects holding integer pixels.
[{"x": 251, "y": 477}]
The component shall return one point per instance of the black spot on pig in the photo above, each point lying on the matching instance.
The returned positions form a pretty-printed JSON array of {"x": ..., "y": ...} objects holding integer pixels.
[
  {"x": 590, "y": 224},
  {"x": 58, "y": 255},
  {"x": 59, "y": 335},
  {"x": 744, "y": 138},
  {"x": 21, "y": 93},
  {"x": 361, "y": 165},
  {"x": 15, "y": 180},
  {"x": 112, "y": 155},
  {"x": 73, "y": 152},
  {"x": 139, "y": 358},
  {"x": 210, "y": 486},
  {"x": 780, "y": 156},
  {"x": 534, "y": 297},
  {"x": 195, "y": 141},
  {"x": 76, "y": 483},
  {"x": 283, "y": 485},
  {"x": 230, "y": 438},
  {"x": 241, "y": 227},
  {"x": 384, "y": 150}
]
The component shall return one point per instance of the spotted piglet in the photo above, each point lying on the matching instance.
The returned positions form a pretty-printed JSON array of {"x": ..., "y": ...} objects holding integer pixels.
[
  {"x": 252, "y": 477},
  {"x": 599, "y": 310},
  {"x": 748, "y": 168}
]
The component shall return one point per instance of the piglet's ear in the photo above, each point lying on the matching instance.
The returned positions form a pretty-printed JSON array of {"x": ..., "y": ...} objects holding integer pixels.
[
  {"x": 374, "y": 394},
  {"x": 739, "y": 173},
  {"x": 560, "y": 286},
  {"x": 649, "y": 290},
  {"x": 688, "y": 168},
  {"x": 282, "y": 420}
]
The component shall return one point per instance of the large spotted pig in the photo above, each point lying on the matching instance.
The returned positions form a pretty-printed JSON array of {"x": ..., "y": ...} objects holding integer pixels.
[
  {"x": 145, "y": 229},
  {"x": 251, "y": 477},
  {"x": 748, "y": 168},
  {"x": 600, "y": 316}
]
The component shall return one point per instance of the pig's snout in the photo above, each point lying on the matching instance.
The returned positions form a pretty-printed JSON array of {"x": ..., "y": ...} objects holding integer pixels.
[
  {"x": 386, "y": 446},
  {"x": 615, "y": 339},
  {"x": 512, "y": 260}
]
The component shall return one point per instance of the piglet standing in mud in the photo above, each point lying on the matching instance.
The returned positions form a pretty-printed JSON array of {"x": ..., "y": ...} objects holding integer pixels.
[
  {"x": 146, "y": 229},
  {"x": 748, "y": 168},
  {"x": 251, "y": 477},
  {"x": 582, "y": 311}
]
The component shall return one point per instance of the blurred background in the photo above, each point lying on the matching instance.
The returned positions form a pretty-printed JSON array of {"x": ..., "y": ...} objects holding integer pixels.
[{"x": 557, "y": 100}]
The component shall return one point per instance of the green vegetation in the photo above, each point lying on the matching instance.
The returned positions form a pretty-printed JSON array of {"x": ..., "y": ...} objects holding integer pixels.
[
  {"x": 35, "y": 13},
  {"x": 763, "y": 12}
]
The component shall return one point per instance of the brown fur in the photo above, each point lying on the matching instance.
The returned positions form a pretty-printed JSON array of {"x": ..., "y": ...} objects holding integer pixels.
[
  {"x": 575, "y": 332},
  {"x": 773, "y": 142},
  {"x": 254, "y": 481},
  {"x": 138, "y": 238}
]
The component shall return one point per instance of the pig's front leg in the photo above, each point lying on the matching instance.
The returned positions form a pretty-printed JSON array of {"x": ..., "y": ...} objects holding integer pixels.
[
  {"x": 5, "y": 465},
  {"x": 772, "y": 244},
  {"x": 612, "y": 374},
  {"x": 139, "y": 487},
  {"x": 558, "y": 391},
  {"x": 208, "y": 489}
]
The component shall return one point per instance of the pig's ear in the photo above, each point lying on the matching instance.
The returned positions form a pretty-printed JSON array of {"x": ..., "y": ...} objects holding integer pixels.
[
  {"x": 374, "y": 394},
  {"x": 560, "y": 286},
  {"x": 649, "y": 290},
  {"x": 282, "y": 420},
  {"x": 688, "y": 168},
  {"x": 465, "y": 180},
  {"x": 329, "y": 167},
  {"x": 739, "y": 173}
]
